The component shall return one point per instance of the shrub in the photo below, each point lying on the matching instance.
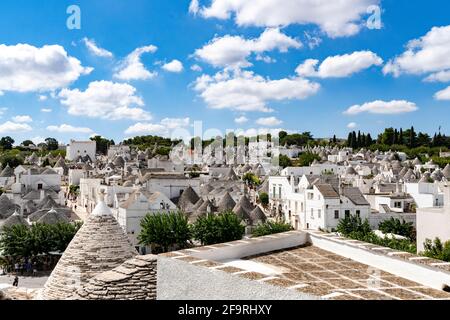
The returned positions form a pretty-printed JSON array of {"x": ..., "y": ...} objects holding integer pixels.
[
  {"x": 437, "y": 250},
  {"x": 395, "y": 226},
  {"x": 165, "y": 231},
  {"x": 271, "y": 228},
  {"x": 264, "y": 199},
  {"x": 220, "y": 228},
  {"x": 353, "y": 228}
]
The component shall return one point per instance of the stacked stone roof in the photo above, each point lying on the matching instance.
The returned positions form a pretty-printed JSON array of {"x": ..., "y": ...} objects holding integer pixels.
[{"x": 100, "y": 245}]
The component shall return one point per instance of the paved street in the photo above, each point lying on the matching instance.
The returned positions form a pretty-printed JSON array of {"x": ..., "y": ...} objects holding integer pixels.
[{"x": 24, "y": 282}]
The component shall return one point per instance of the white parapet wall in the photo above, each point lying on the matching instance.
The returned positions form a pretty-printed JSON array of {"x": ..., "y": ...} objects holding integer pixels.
[
  {"x": 406, "y": 268},
  {"x": 183, "y": 279}
]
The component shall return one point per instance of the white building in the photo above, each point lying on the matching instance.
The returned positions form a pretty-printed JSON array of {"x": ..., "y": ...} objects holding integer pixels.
[
  {"x": 165, "y": 164},
  {"x": 171, "y": 185},
  {"x": 426, "y": 195},
  {"x": 119, "y": 150},
  {"x": 136, "y": 207},
  {"x": 77, "y": 149},
  {"x": 434, "y": 222},
  {"x": 316, "y": 169},
  {"x": 314, "y": 202}
]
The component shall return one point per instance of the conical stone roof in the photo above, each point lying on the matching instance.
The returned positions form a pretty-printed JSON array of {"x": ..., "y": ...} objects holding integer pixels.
[
  {"x": 53, "y": 217},
  {"x": 47, "y": 203},
  {"x": 226, "y": 203},
  {"x": 100, "y": 245},
  {"x": 188, "y": 198},
  {"x": 7, "y": 172},
  {"x": 446, "y": 171},
  {"x": 245, "y": 204},
  {"x": 257, "y": 216},
  {"x": 231, "y": 176},
  {"x": 7, "y": 207},
  {"x": 14, "y": 220}
]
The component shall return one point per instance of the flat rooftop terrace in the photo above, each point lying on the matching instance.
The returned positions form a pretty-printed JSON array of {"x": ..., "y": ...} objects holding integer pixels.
[
  {"x": 299, "y": 265},
  {"x": 318, "y": 272}
]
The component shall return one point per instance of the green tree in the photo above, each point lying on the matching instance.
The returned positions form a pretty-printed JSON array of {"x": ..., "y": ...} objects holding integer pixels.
[
  {"x": 264, "y": 199},
  {"x": 396, "y": 226},
  {"x": 28, "y": 143},
  {"x": 6, "y": 143},
  {"x": 21, "y": 241},
  {"x": 271, "y": 228},
  {"x": 52, "y": 144},
  {"x": 251, "y": 179},
  {"x": 353, "y": 224},
  {"x": 284, "y": 161},
  {"x": 165, "y": 231},
  {"x": 220, "y": 228},
  {"x": 102, "y": 144},
  {"x": 307, "y": 158}
]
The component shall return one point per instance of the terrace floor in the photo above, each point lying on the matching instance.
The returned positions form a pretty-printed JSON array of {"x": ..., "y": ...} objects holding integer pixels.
[{"x": 322, "y": 273}]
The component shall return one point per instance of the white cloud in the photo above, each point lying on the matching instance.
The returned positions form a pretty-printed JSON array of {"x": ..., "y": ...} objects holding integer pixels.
[
  {"x": 2, "y": 111},
  {"x": 96, "y": 50},
  {"x": 173, "y": 66},
  {"x": 234, "y": 51},
  {"x": 132, "y": 68},
  {"x": 106, "y": 100},
  {"x": 253, "y": 132},
  {"x": 37, "y": 140},
  {"x": 25, "y": 68},
  {"x": 312, "y": 41},
  {"x": 352, "y": 125},
  {"x": 46, "y": 110},
  {"x": 335, "y": 18},
  {"x": 196, "y": 68},
  {"x": 245, "y": 91},
  {"x": 383, "y": 107},
  {"x": 340, "y": 66},
  {"x": 443, "y": 94},
  {"x": 194, "y": 7},
  {"x": 42, "y": 97},
  {"x": 22, "y": 119},
  {"x": 66, "y": 128},
  {"x": 428, "y": 54},
  {"x": 241, "y": 119},
  {"x": 441, "y": 76},
  {"x": 265, "y": 58},
  {"x": 163, "y": 128},
  {"x": 9, "y": 127},
  {"x": 269, "y": 122}
]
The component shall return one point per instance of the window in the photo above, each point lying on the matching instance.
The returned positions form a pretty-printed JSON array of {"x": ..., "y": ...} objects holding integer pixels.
[
  {"x": 397, "y": 204},
  {"x": 336, "y": 214},
  {"x": 279, "y": 191},
  {"x": 296, "y": 206},
  {"x": 319, "y": 213},
  {"x": 274, "y": 191},
  {"x": 310, "y": 196},
  {"x": 312, "y": 213},
  {"x": 358, "y": 213},
  {"x": 347, "y": 214},
  {"x": 40, "y": 186},
  {"x": 301, "y": 206},
  {"x": 318, "y": 197}
]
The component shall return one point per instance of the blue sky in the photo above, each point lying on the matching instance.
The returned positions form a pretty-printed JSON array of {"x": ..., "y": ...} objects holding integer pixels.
[{"x": 246, "y": 59}]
